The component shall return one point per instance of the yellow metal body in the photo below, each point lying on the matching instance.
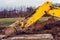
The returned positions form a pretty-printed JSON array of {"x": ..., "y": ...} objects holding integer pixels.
[
  {"x": 40, "y": 11},
  {"x": 55, "y": 12},
  {"x": 38, "y": 14}
]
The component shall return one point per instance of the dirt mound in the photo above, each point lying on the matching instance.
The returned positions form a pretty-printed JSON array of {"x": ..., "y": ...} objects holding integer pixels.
[{"x": 50, "y": 26}]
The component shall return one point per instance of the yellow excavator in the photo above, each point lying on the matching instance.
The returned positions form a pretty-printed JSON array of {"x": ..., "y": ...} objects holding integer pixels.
[{"x": 46, "y": 8}]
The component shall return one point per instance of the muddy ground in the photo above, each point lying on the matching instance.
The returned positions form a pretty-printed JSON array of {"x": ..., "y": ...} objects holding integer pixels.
[{"x": 48, "y": 27}]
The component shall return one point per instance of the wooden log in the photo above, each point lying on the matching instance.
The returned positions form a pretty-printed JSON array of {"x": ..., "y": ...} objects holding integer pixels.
[{"x": 32, "y": 37}]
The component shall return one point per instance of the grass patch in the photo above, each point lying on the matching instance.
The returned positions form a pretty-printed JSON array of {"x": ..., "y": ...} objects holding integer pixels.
[{"x": 8, "y": 21}]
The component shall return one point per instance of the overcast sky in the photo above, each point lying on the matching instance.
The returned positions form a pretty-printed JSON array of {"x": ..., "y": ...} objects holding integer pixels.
[{"x": 18, "y": 3}]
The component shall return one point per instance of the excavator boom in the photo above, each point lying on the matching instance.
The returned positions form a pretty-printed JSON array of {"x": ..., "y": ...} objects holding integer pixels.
[
  {"x": 38, "y": 14},
  {"x": 55, "y": 12},
  {"x": 40, "y": 11}
]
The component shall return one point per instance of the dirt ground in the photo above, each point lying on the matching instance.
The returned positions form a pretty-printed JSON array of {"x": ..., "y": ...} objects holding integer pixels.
[{"x": 48, "y": 27}]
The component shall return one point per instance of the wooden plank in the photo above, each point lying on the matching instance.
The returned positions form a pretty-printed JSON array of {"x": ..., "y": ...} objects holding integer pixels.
[{"x": 31, "y": 37}]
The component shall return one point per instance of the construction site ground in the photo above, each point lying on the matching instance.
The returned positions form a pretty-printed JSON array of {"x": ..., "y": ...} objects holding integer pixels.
[{"x": 52, "y": 31}]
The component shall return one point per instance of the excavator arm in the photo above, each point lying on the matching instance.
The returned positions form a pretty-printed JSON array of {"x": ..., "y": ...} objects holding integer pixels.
[
  {"x": 55, "y": 12},
  {"x": 40, "y": 11}
]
